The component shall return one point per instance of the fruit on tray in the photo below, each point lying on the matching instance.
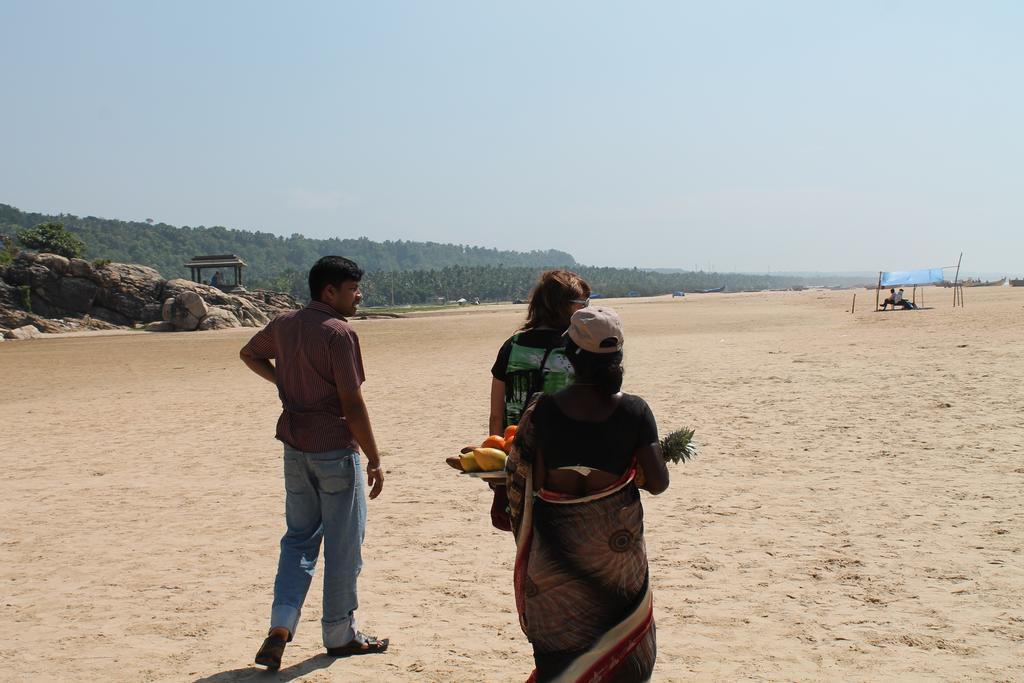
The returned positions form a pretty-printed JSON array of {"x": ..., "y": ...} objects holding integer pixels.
[{"x": 489, "y": 459}]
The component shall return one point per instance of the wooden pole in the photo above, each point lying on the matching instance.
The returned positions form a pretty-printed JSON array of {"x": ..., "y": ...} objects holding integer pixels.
[
  {"x": 956, "y": 278},
  {"x": 878, "y": 288},
  {"x": 853, "y": 306}
]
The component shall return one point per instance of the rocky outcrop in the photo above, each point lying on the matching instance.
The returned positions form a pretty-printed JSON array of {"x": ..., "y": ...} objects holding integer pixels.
[
  {"x": 56, "y": 294},
  {"x": 24, "y": 332},
  {"x": 249, "y": 308}
]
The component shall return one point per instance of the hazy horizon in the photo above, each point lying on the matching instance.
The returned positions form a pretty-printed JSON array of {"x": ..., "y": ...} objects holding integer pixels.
[{"x": 739, "y": 137}]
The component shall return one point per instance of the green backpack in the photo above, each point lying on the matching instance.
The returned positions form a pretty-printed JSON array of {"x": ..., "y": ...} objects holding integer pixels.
[{"x": 531, "y": 370}]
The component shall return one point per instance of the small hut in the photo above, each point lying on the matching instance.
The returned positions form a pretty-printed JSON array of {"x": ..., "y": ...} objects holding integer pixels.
[{"x": 227, "y": 271}]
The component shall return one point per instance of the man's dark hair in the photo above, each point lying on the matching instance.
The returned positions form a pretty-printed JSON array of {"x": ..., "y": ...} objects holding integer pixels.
[{"x": 332, "y": 270}]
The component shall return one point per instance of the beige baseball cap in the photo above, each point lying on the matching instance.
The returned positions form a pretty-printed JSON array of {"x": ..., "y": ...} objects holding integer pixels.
[{"x": 596, "y": 329}]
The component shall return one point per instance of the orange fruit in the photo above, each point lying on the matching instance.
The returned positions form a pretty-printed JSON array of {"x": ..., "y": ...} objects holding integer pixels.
[
  {"x": 510, "y": 431},
  {"x": 508, "y": 443},
  {"x": 494, "y": 441}
]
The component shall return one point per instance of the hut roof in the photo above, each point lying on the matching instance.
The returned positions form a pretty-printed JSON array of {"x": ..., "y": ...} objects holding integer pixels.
[{"x": 216, "y": 261}]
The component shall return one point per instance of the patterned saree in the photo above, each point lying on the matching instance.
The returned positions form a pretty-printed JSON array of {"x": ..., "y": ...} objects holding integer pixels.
[{"x": 581, "y": 580}]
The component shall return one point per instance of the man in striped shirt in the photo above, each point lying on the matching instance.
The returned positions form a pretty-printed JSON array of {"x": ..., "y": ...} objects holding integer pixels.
[{"x": 318, "y": 370}]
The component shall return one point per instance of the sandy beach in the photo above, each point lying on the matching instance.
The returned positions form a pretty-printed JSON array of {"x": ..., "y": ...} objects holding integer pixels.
[{"x": 855, "y": 512}]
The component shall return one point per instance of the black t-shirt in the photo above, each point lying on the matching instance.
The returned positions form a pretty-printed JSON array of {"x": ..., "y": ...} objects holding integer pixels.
[
  {"x": 606, "y": 445},
  {"x": 536, "y": 338}
]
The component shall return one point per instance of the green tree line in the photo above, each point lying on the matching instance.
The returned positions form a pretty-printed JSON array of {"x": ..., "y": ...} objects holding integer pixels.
[
  {"x": 166, "y": 247},
  {"x": 499, "y": 283},
  {"x": 397, "y": 273}
]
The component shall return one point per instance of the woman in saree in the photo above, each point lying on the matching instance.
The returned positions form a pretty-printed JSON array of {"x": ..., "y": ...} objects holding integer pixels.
[{"x": 581, "y": 582}]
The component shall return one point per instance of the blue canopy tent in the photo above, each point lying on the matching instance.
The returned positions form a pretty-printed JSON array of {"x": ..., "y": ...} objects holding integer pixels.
[
  {"x": 926, "y": 276},
  {"x": 923, "y": 276}
]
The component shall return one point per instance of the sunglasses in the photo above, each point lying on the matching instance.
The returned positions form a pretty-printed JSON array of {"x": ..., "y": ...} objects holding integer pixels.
[{"x": 581, "y": 302}]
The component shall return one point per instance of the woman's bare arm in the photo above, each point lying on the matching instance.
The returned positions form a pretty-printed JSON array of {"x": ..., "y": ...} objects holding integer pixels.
[
  {"x": 496, "y": 422},
  {"x": 652, "y": 462}
]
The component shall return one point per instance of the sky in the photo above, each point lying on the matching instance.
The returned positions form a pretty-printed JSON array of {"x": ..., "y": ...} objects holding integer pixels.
[{"x": 744, "y": 136}]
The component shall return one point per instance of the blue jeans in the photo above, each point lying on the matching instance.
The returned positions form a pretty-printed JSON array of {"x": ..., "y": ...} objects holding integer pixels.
[{"x": 324, "y": 501}]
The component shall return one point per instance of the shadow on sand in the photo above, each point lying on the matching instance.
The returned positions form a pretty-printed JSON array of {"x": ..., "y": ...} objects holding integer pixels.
[{"x": 252, "y": 673}]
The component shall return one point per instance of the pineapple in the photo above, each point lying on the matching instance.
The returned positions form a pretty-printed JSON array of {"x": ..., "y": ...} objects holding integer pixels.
[{"x": 678, "y": 446}]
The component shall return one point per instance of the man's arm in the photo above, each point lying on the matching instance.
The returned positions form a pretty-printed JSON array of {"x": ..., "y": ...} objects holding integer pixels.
[
  {"x": 354, "y": 409},
  {"x": 261, "y": 366}
]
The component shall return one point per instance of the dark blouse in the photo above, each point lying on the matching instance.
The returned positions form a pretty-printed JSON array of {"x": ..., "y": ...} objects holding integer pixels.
[{"x": 606, "y": 445}]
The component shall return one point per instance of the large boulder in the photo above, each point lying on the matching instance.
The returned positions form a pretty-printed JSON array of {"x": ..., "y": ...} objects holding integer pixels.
[
  {"x": 27, "y": 271},
  {"x": 185, "y": 310},
  {"x": 24, "y": 332},
  {"x": 219, "y": 319},
  {"x": 79, "y": 267},
  {"x": 55, "y": 262},
  {"x": 126, "y": 289},
  {"x": 194, "y": 303},
  {"x": 69, "y": 295}
]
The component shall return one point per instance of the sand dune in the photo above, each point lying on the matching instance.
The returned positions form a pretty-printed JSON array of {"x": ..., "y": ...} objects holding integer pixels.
[{"x": 854, "y": 513}]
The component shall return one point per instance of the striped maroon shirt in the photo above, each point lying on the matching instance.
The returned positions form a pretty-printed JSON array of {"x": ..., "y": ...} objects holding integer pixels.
[{"x": 316, "y": 354}]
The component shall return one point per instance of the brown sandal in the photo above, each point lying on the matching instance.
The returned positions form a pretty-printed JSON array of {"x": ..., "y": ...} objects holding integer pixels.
[{"x": 362, "y": 644}]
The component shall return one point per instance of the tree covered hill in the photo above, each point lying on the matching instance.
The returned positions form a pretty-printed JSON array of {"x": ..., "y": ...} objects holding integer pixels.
[
  {"x": 166, "y": 247},
  {"x": 397, "y": 273}
]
